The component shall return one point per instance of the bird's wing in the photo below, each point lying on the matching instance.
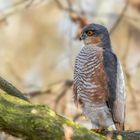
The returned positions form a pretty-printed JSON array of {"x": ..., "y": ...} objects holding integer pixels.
[{"x": 116, "y": 94}]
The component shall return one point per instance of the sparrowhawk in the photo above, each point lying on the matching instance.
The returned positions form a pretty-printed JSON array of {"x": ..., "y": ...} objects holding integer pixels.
[{"x": 98, "y": 80}]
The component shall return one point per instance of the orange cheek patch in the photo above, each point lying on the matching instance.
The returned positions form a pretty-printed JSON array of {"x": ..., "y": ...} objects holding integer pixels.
[
  {"x": 92, "y": 40},
  {"x": 96, "y": 40}
]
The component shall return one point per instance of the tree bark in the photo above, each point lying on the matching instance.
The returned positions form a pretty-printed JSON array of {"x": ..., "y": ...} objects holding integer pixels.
[{"x": 38, "y": 122}]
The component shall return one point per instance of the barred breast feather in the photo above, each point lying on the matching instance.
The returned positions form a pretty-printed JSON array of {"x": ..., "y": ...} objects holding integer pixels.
[{"x": 89, "y": 76}]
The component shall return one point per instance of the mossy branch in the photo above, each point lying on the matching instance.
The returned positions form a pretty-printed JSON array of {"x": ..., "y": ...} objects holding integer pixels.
[
  {"x": 10, "y": 89},
  {"x": 38, "y": 122}
]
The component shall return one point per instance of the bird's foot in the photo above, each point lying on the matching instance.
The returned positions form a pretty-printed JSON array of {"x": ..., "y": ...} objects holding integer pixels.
[{"x": 98, "y": 130}]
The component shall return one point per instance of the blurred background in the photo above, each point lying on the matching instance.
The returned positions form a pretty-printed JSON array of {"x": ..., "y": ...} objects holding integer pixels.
[{"x": 39, "y": 42}]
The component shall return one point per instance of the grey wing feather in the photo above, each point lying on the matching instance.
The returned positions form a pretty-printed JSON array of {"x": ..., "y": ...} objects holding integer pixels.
[
  {"x": 116, "y": 97},
  {"x": 119, "y": 104}
]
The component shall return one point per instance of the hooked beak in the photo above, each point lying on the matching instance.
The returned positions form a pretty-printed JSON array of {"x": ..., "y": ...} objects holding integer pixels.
[{"x": 83, "y": 36}]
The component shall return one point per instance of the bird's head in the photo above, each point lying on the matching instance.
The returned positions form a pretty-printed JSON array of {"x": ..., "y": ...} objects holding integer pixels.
[{"x": 93, "y": 34}]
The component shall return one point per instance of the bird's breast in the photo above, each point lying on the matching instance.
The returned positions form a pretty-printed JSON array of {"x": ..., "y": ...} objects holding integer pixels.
[
  {"x": 89, "y": 73},
  {"x": 87, "y": 62}
]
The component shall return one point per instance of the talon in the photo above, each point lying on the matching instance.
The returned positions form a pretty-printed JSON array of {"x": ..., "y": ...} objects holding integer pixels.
[{"x": 99, "y": 130}]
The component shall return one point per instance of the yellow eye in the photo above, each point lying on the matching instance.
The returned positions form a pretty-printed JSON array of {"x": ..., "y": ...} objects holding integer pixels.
[{"x": 90, "y": 33}]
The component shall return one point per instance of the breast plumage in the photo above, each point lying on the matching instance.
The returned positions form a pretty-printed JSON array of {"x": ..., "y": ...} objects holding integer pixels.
[{"x": 97, "y": 78}]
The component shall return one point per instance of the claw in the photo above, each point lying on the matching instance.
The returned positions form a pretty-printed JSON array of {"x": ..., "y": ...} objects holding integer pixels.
[{"x": 99, "y": 130}]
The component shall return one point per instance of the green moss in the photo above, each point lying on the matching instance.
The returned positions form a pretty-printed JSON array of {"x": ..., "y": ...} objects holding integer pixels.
[
  {"x": 37, "y": 122},
  {"x": 13, "y": 99}
]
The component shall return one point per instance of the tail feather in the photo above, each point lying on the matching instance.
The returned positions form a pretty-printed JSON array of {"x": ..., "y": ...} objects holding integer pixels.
[{"x": 120, "y": 126}]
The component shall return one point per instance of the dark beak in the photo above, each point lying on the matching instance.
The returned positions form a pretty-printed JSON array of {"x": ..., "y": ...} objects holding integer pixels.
[{"x": 83, "y": 36}]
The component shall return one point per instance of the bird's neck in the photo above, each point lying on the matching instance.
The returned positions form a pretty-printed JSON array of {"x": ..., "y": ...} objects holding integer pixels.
[
  {"x": 92, "y": 45},
  {"x": 106, "y": 43}
]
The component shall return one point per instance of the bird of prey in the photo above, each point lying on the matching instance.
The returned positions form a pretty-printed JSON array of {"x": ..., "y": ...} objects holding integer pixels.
[{"x": 98, "y": 80}]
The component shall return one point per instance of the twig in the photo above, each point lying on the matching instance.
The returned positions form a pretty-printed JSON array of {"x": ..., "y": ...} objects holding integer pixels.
[
  {"x": 29, "y": 4},
  {"x": 47, "y": 90},
  {"x": 120, "y": 17},
  {"x": 77, "y": 116},
  {"x": 66, "y": 87},
  {"x": 11, "y": 90},
  {"x": 60, "y": 5},
  {"x": 14, "y": 5}
]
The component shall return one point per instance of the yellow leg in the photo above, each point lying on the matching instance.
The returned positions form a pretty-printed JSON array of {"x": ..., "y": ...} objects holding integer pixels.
[{"x": 98, "y": 130}]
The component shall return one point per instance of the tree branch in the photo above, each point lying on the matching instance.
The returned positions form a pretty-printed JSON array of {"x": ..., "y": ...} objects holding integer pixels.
[
  {"x": 10, "y": 89},
  {"x": 38, "y": 122}
]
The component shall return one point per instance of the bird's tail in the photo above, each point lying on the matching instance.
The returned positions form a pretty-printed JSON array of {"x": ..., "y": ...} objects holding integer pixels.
[{"x": 120, "y": 126}]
